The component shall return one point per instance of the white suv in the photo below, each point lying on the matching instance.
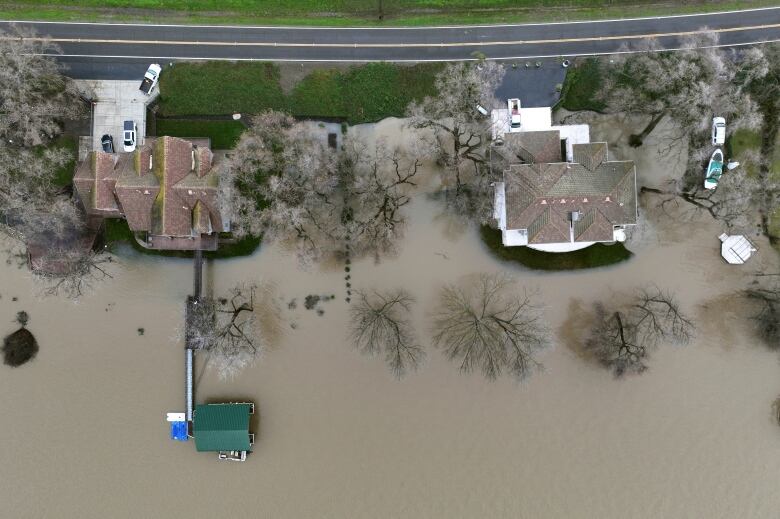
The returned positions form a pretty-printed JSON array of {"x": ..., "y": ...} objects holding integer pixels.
[
  {"x": 129, "y": 136},
  {"x": 718, "y": 130}
]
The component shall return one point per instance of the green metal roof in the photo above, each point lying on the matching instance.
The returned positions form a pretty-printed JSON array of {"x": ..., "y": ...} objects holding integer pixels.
[{"x": 221, "y": 427}]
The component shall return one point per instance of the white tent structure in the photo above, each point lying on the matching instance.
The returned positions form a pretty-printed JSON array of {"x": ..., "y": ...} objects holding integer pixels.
[{"x": 736, "y": 249}]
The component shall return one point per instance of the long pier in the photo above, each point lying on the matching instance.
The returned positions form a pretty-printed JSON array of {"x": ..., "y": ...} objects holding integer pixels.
[{"x": 189, "y": 358}]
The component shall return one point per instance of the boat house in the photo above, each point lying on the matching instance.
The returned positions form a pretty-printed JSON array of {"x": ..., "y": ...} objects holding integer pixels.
[{"x": 223, "y": 428}]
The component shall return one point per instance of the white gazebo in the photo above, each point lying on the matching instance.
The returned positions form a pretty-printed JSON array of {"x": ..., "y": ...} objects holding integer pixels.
[{"x": 736, "y": 249}]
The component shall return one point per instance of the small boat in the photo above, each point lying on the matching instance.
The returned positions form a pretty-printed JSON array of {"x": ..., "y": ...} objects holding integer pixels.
[{"x": 714, "y": 170}]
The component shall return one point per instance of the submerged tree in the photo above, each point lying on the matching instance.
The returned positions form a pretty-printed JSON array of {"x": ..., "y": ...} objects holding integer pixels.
[
  {"x": 285, "y": 183},
  {"x": 621, "y": 338},
  {"x": 462, "y": 132},
  {"x": 489, "y": 324},
  {"x": 20, "y": 347},
  {"x": 233, "y": 330},
  {"x": 380, "y": 325},
  {"x": 765, "y": 290},
  {"x": 72, "y": 272},
  {"x": 281, "y": 182},
  {"x": 688, "y": 85},
  {"x": 377, "y": 187},
  {"x": 742, "y": 194}
]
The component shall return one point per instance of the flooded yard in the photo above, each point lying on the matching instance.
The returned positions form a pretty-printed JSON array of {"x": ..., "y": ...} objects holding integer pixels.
[{"x": 84, "y": 433}]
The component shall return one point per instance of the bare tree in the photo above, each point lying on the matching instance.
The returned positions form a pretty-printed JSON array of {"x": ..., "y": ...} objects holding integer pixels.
[
  {"x": 284, "y": 183},
  {"x": 621, "y": 338},
  {"x": 30, "y": 199},
  {"x": 233, "y": 330},
  {"x": 687, "y": 85},
  {"x": 489, "y": 324},
  {"x": 34, "y": 99},
  {"x": 462, "y": 132},
  {"x": 281, "y": 182},
  {"x": 34, "y": 95},
  {"x": 377, "y": 187},
  {"x": 380, "y": 325},
  {"x": 765, "y": 291},
  {"x": 743, "y": 194},
  {"x": 71, "y": 271}
]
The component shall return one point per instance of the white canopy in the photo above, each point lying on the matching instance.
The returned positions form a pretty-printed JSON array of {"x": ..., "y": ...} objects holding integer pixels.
[{"x": 736, "y": 249}]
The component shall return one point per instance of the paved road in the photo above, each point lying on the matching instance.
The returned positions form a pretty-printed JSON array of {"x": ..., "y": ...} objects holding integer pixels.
[{"x": 116, "y": 50}]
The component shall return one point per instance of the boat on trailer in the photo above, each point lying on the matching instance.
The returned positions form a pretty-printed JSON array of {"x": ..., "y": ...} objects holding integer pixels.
[{"x": 714, "y": 170}]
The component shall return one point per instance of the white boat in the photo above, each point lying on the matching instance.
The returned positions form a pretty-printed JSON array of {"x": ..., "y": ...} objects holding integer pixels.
[{"x": 714, "y": 170}]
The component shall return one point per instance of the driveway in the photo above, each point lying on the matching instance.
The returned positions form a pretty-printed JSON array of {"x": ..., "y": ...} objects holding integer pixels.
[{"x": 117, "y": 102}]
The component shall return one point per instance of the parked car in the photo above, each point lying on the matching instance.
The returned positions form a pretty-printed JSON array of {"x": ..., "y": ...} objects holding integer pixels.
[
  {"x": 108, "y": 143},
  {"x": 129, "y": 135},
  {"x": 718, "y": 131},
  {"x": 150, "y": 78}
]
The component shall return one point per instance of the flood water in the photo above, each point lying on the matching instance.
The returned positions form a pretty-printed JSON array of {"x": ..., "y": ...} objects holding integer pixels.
[{"x": 83, "y": 431}]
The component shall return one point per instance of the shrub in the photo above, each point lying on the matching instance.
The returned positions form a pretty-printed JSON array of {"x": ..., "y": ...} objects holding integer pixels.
[{"x": 19, "y": 348}]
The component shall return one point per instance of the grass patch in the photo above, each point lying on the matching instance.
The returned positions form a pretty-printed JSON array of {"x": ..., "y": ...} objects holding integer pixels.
[
  {"x": 223, "y": 134},
  {"x": 219, "y": 88},
  {"x": 360, "y": 94},
  {"x": 378, "y": 90},
  {"x": 741, "y": 141},
  {"x": 116, "y": 231},
  {"x": 774, "y": 167},
  {"x": 355, "y": 12},
  {"x": 582, "y": 84},
  {"x": 598, "y": 255},
  {"x": 319, "y": 94}
]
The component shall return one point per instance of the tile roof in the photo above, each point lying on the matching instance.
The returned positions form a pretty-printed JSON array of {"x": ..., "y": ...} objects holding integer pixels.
[
  {"x": 167, "y": 187},
  {"x": 536, "y": 146},
  {"x": 94, "y": 180},
  {"x": 590, "y": 155},
  {"x": 542, "y": 197}
]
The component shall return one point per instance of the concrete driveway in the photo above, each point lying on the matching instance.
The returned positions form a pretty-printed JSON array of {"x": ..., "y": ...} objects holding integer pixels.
[{"x": 117, "y": 102}]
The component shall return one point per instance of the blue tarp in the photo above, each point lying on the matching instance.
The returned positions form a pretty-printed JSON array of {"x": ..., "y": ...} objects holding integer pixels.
[{"x": 179, "y": 431}]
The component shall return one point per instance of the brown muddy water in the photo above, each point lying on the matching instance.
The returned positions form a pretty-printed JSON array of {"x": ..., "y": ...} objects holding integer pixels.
[{"x": 83, "y": 431}]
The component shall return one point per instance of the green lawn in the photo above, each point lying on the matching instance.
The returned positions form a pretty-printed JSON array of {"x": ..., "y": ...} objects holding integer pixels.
[
  {"x": 356, "y": 12},
  {"x": 774, "y": 168},
  {"x": 219, "y": 87},
  {"x": 741, "y": 141},
  {"x": 598, "y": 255},
  {"x": 116, "y": 231},
  {"x": 582, "y": 84},
  {"x": 223, "y": 134},
  {"x": 359, "y": 94},
  {"x": 774, "y": 172}
]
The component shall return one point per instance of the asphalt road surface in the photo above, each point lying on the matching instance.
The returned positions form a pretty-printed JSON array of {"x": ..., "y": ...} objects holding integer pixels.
[{"x": 117, "y": 51}]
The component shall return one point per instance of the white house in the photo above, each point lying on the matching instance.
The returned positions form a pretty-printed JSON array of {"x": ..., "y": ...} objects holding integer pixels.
[{"x": 560, "y": 192}]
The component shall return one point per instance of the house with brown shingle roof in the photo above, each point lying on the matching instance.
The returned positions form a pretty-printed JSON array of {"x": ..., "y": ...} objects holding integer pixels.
[
  {"x": 166, "y": 190},
  {"x": 548, "y": 203}
]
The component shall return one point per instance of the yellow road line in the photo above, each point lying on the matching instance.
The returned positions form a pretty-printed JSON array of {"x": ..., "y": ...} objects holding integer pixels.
[{"x": 391, "y": 45}]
